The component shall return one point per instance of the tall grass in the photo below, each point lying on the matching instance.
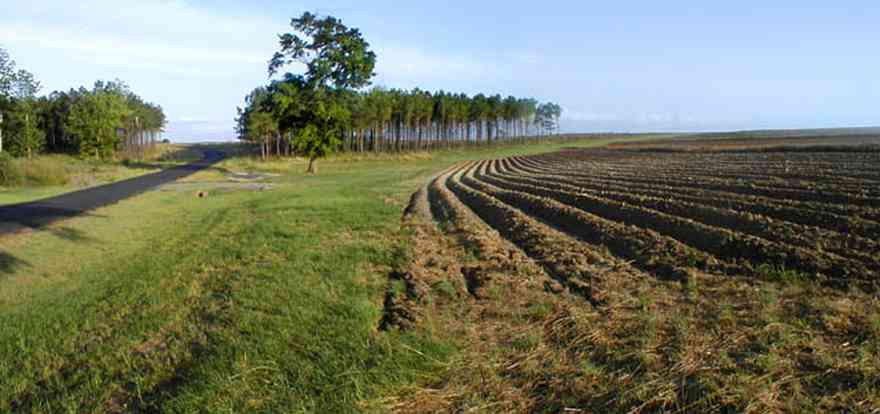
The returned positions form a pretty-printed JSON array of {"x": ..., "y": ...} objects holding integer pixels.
[
  {"x": 10, "y": 173},
  {"x": 45, "y": 170},
  {"x": 40, "y": 171}
]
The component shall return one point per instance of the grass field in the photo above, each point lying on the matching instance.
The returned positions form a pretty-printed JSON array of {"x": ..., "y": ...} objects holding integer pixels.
[{"x": 241, "y": 301}]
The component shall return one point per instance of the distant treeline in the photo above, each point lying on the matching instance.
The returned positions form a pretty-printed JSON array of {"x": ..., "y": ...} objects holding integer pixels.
[
  {"x": 328, "y": 109},
  {"x": 397, "y": 120},
  {"x": 99, "y": 122},
  {"x": 791, "y": 133}
]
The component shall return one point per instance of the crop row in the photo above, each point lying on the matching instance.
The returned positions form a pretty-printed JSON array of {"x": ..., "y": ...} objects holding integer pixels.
[
  {"x": 852, "y": 195},
  {"x": 766, "y": 196},
  {"x": 861, "y": 248},
  {"x": 749, "y": 253},
  {"x": 573, "y": 264},
  {"x": 843, "y": 171}
]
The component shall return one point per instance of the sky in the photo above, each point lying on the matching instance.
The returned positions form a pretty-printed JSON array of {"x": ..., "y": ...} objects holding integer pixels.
[{"x": 624, "y": 66}]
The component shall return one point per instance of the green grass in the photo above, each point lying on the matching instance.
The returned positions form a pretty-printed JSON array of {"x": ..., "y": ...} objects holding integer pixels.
[
  {"x": 30, "y": 193},
  {"x": 241, "y": 301}
]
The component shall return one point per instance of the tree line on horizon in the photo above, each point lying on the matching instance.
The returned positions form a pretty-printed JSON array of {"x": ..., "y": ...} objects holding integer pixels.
[
  {"x": 102, "y": 122},
  {"x": 328, "y": 108},
  {"x": 383, "y": 119}
]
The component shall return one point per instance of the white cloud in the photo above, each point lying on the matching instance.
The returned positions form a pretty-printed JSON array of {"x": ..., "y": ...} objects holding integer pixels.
[
  {"x": 406, "y": 64},
  {"x": 135, "y": 33},
  {"x": 200, "y": 61},
  {"x": 189, "y": 59}
]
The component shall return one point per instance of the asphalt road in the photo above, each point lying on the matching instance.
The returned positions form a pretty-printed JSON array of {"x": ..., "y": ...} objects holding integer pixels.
[{"x": 39, "y": 213}]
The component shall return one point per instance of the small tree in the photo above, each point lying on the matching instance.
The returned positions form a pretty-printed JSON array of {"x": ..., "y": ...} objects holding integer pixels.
[
  {"x": 95, "y": 120},
  {"x": 28, "y": 138},
  {"x": 262, "y": 127},
  {"x": 7, "y": 74},
  {"x": 547, "y": 117},
  {"x": 18, "y": 90}
]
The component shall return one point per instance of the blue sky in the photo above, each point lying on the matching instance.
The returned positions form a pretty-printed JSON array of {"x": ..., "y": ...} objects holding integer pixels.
[{"x": 613, "y": 66}]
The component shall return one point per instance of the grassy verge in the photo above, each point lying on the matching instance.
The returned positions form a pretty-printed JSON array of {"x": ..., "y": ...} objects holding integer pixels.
[
  {"x": 261, "y": 301},
  {"x": 50, "y": 175}
]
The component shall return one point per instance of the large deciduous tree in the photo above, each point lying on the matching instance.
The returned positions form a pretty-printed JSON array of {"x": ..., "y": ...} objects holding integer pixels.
[
  {"x": 334, "y": 54},
  {"x": 337, "y": 59}
]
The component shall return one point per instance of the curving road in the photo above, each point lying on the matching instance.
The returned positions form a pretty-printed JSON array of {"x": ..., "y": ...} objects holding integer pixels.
[{"x": 39, "y": 213}]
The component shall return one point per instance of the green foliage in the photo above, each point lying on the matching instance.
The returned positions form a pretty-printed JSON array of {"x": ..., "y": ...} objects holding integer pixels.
[
  {"x": 16, "y": 83},
  {"x": 392, "y": 119},
  {"x": 26, "y": 138},
  {"x": 321, "y": 127},
  {"x": 77, "y": 121},
  {"x": 262, "y": 125},
  {"x": 7, "y": 73},
  {"x": 313, "y": 107},
  {"x": 333, "y": 53},
  {"x": 547, "y": 116},
  {"x": 322, "y": 111},
  {"x": 94, "y": 120}
]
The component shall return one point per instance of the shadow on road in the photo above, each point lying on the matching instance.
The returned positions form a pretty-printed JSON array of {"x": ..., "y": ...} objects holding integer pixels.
[{"x": 39, "y": 214}]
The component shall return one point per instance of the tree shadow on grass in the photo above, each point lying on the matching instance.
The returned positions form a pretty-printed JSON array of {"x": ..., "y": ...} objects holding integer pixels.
[
  {"x": 69, "y": 234},
  {"x": 10, "y": 264},
  {"x": 36, "y": 216}
]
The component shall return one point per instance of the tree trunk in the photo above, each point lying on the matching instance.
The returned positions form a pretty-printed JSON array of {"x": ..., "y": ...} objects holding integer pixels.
[{"x": 313, "y": 166}]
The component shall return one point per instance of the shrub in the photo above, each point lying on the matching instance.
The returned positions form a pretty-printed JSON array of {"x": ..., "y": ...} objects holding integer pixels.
[{"x": 10, "y": 172}]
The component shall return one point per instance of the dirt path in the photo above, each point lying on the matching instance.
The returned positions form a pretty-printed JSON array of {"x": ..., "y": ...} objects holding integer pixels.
[{"x": 40, "y": 213}]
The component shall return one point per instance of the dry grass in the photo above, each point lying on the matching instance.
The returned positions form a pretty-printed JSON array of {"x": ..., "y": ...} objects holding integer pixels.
[{"x": 725, "y": 346}]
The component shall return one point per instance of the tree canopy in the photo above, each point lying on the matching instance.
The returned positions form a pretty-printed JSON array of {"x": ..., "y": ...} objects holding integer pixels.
[
  {"x": 16, "y": 83},
  {"x": 326, "y": 108},
  {"x": 311, "y": 106},
  {"x": 98, "y": 122},
  {"x": 333, "y": 53}
]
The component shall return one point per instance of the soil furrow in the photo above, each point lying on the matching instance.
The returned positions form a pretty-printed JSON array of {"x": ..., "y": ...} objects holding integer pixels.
[
  {"x": 574, "y": 264},
  {"x": 751, "y": 253},
  {"x": 854, "y": 247},
  {"x": 819, "y": 208},
  {"x": 649, "y": 251}
]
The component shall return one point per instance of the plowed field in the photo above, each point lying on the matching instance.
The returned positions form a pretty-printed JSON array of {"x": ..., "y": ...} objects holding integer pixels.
[{"x": 690, "y": 281}]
